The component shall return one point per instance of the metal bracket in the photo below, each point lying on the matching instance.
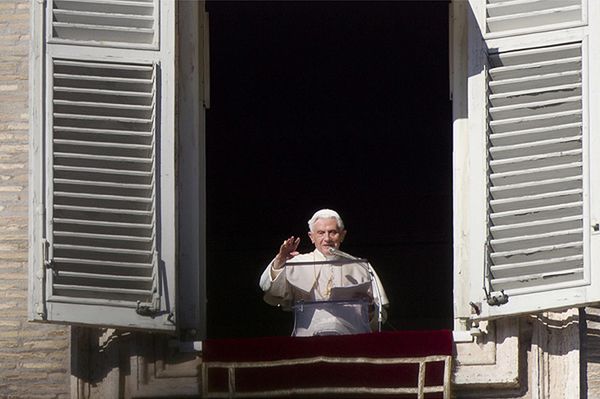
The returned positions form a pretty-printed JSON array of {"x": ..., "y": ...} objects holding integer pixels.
[
  {"x": 145, "y": 310},
  {"x": 497, "y": 298}
]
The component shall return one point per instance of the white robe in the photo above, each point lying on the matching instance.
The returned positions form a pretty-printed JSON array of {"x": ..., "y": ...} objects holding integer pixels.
[{"x": 322, "y": 283}]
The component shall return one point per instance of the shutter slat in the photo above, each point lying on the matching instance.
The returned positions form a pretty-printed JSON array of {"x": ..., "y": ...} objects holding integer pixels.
[
  {"x": 525, "y": 20},
  {"x": 536, "y": 224},
  {"x": 112, "y": 6},
  {"x": 103, "y": 144},
  {"x": 536, "y": 69},
  {"x": 103, "y": 107},
  {"x": 525, "y": 215},
  {"x": 101, "y": 19},
  {"x": 555, "y": 105},
  {"x": 101, "y": 223},
  {"x": 102, "y": 196},
  {"x": 64, "y": 78},
  {"x": 540, "y": 279},
  {"x": 535, "y": 187},
  {"x": 95, "y": 66},
  {"x": 535, "y": 161},
  {"x": 524, "y": 175},
  {"x": 103, "y": 184},
  {"x": 507, "y": 7},
  {"x": 104, "y": 264},
  {"x": 537, "y": 200},
  {"x": 535, "y": 56},
  {"x": 538, "y": 266},
  {"x": 100, "y": 118},
  {"x": 506, "y": 95},
  {"x": 104, "y": 236},
  {"x": 83, "y": 291},
  {"x": 108, "y": 277},
  {"x": 111, "y": 250},
  {"x": 99, "y": 28},
  {"x": 139, "y": 173},
  {"x": 534, "y": 147},
  {"x": 93, "y": 131},
  {"x": 514, "y": 243},
  {"x": 536, "y": 253},
  {"x": 103, "y": 158},
  {"x": 535, "y": 121},
  {"x": 91, "y": 17},
  {"x": 102, "y": 210},
  {"x": 546, "y": 132},
  {"x": 102, "y": 92},
  {"x": 534, "y": 82}
]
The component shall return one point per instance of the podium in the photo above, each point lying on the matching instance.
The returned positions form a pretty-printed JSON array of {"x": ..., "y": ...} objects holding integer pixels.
[
  {"x": 339, "y": 317},
  {"x": 346, "y": 309}
]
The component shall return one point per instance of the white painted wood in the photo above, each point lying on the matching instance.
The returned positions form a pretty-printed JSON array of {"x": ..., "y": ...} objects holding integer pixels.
[
  {"x": 592, "y": 119},
  {"x": 108, "y": 197},
  {"x": 540, "y": 146},
  {"x": 475, "y": 187},
  {"x": 129, "y": 24},
  {"x": 192, "y": 102},
  {"x": 517, "y": 17},
  {"x": 36, "y": 305},
  {"x": 458, "y": 26}
]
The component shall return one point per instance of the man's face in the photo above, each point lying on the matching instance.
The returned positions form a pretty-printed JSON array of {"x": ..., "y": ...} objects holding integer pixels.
[{"x": 326, "y": 234}]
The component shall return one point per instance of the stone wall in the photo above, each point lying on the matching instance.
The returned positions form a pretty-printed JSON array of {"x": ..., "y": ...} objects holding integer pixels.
[{"x": 34, "y": 358}]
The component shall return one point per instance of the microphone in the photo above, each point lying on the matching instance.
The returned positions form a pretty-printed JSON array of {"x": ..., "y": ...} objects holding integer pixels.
[{"x": 341, "y": 254}]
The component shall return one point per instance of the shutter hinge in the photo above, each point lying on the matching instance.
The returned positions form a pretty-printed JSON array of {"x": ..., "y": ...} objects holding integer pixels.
[
  {"x": 497, "y": 298},
  {"x": 145, "y": 310},
  {"x": 40, "y": 305},
  {"x": 48, "y": 263},
  {"x": 492, "y": 298}
]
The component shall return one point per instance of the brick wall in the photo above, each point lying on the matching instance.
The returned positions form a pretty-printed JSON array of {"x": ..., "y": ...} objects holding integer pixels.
[{"x": 33, "y": 357}]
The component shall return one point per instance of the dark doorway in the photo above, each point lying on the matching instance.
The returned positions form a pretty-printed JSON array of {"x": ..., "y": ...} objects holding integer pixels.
[{"x": 343, "y": 105}]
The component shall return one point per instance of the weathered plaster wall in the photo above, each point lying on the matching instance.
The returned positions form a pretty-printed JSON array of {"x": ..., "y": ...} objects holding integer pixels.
[
  {"x": 590, "y": 361},
  {"x": 34, "y": 358}
]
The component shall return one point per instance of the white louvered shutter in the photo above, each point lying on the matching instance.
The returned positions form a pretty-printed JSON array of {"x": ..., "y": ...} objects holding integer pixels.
[
  {"x": 109, "y": 171},
  {"x": 535, "y": 80}
]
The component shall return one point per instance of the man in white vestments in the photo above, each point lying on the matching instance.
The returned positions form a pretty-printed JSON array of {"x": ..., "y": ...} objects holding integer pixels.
[{"x": 326, "y": 284}]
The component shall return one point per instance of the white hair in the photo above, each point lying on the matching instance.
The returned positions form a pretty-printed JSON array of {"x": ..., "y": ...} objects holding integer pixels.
[{"x": 325, "y": 214}]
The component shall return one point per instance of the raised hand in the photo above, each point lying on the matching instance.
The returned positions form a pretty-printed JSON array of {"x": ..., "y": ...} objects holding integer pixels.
[{"x": 287, "y": 251}]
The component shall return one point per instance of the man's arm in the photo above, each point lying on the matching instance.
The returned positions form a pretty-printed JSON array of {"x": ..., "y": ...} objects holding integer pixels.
[
  {"x": 272, "y": 280},
  {"x": 287, "y": 251}
]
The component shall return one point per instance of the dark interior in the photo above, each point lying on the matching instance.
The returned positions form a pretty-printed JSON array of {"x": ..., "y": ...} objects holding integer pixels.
[{"x": 343, "y": 105}]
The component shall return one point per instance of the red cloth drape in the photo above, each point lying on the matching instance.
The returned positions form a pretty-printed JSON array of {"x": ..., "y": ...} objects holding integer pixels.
[{"x": 405, "y": 344}]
